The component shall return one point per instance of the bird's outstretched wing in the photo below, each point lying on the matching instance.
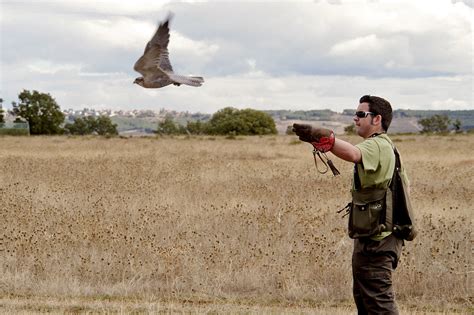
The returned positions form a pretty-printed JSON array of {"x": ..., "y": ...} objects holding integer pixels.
[
  {"x": 156, "y": 53},
  {"x": 155, "y": 65},
  {"x": 148, "y": 63}
]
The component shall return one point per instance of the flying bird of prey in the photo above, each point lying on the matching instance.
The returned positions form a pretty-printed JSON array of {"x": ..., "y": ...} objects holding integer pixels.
[{"x": 155, "y": 66}]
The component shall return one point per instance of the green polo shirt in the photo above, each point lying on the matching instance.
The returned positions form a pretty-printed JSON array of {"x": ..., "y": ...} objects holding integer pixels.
[{"x": 377, "y": 166}]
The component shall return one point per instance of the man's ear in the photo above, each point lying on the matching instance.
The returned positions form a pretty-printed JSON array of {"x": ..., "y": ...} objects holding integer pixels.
[{"x": 377, "y": 120}]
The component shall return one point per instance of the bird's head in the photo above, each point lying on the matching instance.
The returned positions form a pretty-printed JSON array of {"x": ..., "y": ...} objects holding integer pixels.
[{"x": 139, "y": 81}]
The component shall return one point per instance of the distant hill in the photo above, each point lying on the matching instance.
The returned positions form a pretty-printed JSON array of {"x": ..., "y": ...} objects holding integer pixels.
[
  {"x": 139, "y": 125},
  {"x": 404, "y": 121},
  {"x": 465, "y": 116}
]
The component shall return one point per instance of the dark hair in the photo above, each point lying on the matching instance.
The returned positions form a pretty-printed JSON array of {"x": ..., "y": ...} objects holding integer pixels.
[{"x": 379, "y": 106}]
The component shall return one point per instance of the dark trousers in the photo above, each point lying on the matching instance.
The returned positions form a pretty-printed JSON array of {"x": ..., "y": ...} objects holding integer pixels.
[{"x": 372, "y": 265}]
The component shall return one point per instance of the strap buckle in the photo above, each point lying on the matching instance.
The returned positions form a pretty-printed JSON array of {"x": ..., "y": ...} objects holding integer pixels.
[
  {"x": 347, "y": 208},
  {"x": 328, "y": 163}
]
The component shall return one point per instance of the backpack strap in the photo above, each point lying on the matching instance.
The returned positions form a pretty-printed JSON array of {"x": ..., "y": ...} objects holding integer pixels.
[
  {"x": 398, "y": 164},
  {"x": 389, "y": 208},
  {"x": 357, "y": 184}
]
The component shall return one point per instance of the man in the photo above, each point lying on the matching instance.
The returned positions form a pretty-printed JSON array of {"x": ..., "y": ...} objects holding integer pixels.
[{"x": 375, "y": 255}]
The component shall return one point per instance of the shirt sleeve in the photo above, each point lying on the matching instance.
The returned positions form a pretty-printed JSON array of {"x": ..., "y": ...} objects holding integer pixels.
[{"x": 370, "y": 152}]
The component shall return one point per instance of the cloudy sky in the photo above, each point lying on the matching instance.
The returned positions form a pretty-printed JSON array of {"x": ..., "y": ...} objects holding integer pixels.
[{"x": 265, "y": 55}]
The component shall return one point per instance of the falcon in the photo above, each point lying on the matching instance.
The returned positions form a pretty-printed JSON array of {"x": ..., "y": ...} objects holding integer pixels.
[{"x": 155, "y": 66}]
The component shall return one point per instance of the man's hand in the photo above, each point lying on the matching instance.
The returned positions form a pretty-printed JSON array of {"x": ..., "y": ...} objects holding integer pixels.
[{"x": 321, "y": 138}]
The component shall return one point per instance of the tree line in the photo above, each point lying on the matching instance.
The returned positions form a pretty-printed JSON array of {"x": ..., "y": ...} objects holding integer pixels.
[
  {"x": 227, "y": 121},
  {"x": 45, "y": 117},
  {"x": 439, "y": 124}
]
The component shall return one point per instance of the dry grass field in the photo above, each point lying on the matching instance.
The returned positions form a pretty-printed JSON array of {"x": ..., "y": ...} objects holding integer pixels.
[{"x": 215, "y": 225}]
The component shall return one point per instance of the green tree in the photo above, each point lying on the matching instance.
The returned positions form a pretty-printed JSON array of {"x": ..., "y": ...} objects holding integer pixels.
[
  {"x": 18, "y": 119},
  {"x": 81, "y": 126},
  {"x": 2, "y": 118},
  {"x": 349, "y": 129},
  {"x": 105, "y": 127},
  {"x": 169, "y": 127},
  {"x": 457, "y": 126},
  {"x": 435, "y": 124},
  {"x": 289, "y": 130},
  {"x": 196, "y": 127},
  {"x": 41, "y": 112},
  {"x": 231, "y": 121}
]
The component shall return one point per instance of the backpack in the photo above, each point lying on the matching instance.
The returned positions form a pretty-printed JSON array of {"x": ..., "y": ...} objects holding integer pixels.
[
  {"x": 375, "y": 210},
  {"x": 403, "y": 217}
]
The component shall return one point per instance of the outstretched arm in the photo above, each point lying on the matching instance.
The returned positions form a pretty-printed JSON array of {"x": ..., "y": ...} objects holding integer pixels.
[
  {"x": 324, "y": 140},
  {"x": 346, "y": 151}
]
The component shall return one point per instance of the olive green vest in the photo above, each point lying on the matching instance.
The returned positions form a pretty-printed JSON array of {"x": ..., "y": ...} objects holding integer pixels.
[{"x": 383, "y": 207}]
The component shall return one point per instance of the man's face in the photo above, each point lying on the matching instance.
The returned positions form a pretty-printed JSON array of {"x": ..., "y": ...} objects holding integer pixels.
[{"x": 363, "y": 125}]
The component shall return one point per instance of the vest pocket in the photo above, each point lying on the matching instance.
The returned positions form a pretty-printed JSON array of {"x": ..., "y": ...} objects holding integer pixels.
[{"x": 368, "y": 207}]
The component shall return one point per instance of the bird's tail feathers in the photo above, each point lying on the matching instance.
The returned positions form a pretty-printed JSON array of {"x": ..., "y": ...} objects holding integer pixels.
[
  {"x": 199, "y": 80},
  {"x": 191, "y": 80}
]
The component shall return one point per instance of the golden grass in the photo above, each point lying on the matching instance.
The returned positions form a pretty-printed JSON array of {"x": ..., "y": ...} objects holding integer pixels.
[{"x": 217, "y": 222}]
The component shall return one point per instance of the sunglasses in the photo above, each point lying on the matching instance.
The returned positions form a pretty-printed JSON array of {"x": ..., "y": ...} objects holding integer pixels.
[{"x": 362, "y": 114}]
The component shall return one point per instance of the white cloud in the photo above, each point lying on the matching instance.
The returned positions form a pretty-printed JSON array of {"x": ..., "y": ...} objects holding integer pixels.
[
  {"x": 118, "y": 32},
  {"x": 49, "y": 67},
  {"x": 181, "y": 43},
  {"x": 450, "y": 103},
  {"x": 102, "y": 7},
  {"x": 188, "y": 55},
  {"x": 100, "y": 74},
  {"x": 359, "y": 45},
  {"x": 300, "y": 55}
]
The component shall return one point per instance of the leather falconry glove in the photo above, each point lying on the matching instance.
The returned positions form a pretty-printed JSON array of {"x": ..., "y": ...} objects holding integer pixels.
[{"x": 322, "y": 139}]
